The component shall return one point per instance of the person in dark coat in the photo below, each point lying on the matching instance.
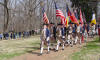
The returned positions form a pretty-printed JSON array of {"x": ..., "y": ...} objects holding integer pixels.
[
  {"x": 19, "y": 34},
  {"x": 14, "y": 35},
  {"x": 6, "y": 36},
  {"x": 33, "y": 32},
  {"x": 11, "y": 35}
]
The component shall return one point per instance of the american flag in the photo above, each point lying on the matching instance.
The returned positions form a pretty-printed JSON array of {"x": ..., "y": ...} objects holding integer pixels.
[
  {"x": 60, "y": 14},
  {"x": 45, "y": 18}
]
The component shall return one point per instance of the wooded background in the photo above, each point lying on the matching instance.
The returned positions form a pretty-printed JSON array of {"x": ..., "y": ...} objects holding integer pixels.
[{"x": 25, "y": 15}]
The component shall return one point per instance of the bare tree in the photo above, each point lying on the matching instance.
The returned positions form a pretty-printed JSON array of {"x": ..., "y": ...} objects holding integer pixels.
[
  {"x": 25, "y": 15},
  {"x": 6, "y": 14}
]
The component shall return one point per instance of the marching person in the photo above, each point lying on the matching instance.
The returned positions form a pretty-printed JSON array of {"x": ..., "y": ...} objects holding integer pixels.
[
  {"x": 88, "y": 28},
  {"x": 45, "y": 37},
  {"x": 70, "y": 28},
  {"x": 96, "y": 29},
  {"x": 85, "y": 32},
  {"x": 93, "y": 29},
  {"x": 52, "y": 35},
  {"x": 74, "y": 33},
  {"x": 54, "y": 31},
  {"x": 63, "y": 33},
  {"x": 79, "y": 33},
  {"x": 60, "y": 36}
]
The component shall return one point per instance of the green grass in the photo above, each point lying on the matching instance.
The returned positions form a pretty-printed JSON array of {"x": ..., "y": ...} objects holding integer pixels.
[
  {"x": 6, "y": 56},
  {"x": 12, "y": 48},
  {"x": 89, "y": 52}
]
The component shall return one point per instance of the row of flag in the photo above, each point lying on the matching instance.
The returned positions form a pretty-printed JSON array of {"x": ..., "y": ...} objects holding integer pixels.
[{"x": 70, "y": 16}]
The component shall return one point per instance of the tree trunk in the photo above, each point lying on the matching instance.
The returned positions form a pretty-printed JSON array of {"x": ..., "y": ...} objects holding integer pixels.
[{"x": 6, "y": 15}]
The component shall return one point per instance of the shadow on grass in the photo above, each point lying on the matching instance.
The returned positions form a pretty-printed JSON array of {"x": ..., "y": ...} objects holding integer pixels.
[
  {"x": 35, "y": 46},
  {"x": 31, "y": 52},
  {"x": 32, "y": 48},
  {"x": 35, "y": 43},
  {"x": 35, "y": 52}
]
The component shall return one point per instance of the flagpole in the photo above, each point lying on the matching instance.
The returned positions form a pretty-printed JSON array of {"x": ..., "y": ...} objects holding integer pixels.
[
  {"x": 41, "y": 6},
  {"x": 55, "y": 11}
]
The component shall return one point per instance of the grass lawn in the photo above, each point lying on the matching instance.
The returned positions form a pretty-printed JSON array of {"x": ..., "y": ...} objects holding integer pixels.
[
  {"x": 11, "y": 48},
  {"x": 89, "y": 52}
]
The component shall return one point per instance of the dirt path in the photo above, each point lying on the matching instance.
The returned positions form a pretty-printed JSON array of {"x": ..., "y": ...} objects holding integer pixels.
[{"x": 60, "y": 55}]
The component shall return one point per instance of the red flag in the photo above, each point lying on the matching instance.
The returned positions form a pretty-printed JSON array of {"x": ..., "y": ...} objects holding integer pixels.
[
  {"x": 81, "y": 19},
  {"x": 74, "y": 19}
]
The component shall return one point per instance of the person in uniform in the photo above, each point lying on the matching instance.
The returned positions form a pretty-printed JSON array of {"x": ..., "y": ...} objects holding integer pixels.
[
  {"x": 93, "y": 29},
  {"x": 45, "y": 38},
  {"x": 60, "y": 36},
  {"x": 79, "y": 33},
  {"x": 70, "y": 29},
  {"x": 52, "y": 35}
]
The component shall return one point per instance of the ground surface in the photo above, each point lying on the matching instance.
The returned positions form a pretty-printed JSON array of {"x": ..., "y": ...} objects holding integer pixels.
[
  {"x": 31, "y": 48},
  {"x": 61, "y": 55},
  {"x": 91, "y": 51}
]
